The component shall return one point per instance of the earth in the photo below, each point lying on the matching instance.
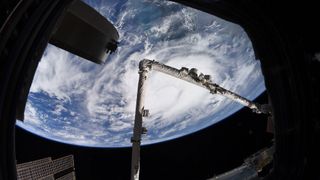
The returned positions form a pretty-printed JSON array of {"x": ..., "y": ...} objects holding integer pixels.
[{"x": 75, "y": 101}]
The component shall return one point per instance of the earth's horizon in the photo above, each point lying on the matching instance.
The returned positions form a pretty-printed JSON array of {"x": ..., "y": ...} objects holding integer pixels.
[{"x": 77, "y": 102}]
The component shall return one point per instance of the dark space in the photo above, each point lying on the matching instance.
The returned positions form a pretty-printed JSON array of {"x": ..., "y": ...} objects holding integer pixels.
[
  {"x": 200, "y": 155},
  {"x": 285, "y": 37}
]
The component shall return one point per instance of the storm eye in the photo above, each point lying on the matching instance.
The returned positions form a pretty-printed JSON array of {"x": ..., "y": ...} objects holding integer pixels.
[{"x": 78, "y": 102}]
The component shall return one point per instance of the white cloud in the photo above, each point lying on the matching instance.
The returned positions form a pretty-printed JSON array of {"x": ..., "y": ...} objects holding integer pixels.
[
  {"x": 61, "y": 74},
  {"x": 31, "y": 115},
  {"x": 103, "y": 97}
]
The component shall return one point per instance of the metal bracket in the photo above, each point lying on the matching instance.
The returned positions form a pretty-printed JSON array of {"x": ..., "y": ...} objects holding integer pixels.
[
  {"x": 144, "y": 130},
  {"x": 145, "y": 113}
]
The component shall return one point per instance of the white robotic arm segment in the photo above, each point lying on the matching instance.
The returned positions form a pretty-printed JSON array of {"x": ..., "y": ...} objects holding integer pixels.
[{"x": 185, "y": 74}]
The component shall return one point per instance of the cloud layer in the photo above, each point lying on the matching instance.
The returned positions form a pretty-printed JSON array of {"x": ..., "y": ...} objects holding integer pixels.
[{"x": 75, "y": 101}]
